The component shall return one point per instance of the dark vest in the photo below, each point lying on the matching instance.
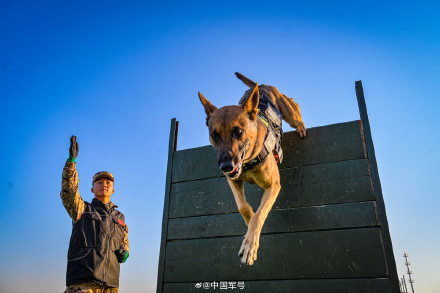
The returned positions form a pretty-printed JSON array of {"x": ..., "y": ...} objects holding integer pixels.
[{"x": 95, "y": 238}]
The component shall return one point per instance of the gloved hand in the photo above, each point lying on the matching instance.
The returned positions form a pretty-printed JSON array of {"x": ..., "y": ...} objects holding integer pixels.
[
  {"x": 121, "y": 255},
  {"x": 73, "y": 150}
]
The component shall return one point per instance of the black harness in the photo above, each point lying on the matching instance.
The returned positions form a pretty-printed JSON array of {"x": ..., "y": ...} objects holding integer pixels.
[{"x": 270, "y": 117}]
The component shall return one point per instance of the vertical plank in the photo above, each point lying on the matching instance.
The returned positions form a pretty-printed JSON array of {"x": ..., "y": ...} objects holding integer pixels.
[
  {"x": 171, "y": 149},
  {"x": 365, "y": 124}
]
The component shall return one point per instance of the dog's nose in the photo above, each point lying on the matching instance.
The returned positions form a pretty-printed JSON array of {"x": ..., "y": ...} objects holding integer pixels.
[{"x": 226, "y": 166}]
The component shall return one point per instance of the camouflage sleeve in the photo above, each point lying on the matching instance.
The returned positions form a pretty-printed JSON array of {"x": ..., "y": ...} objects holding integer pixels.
[
  {"x": 125, "y": 240},
  {"x": 72, "y": 201},
  {"x": 123, "y": 252}
]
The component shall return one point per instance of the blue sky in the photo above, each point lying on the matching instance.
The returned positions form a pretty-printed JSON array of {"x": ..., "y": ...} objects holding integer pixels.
[{"x": 114, "y": 73}]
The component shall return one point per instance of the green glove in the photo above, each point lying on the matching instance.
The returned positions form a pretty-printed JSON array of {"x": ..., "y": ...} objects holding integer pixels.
[
  {"x": 73, "y": 150},
  {"x": 121, "y": 255},
  {"x": 125, "y": 256}
]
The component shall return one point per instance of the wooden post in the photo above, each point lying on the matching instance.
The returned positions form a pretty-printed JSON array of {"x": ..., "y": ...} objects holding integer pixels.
[
  {"x": 171, "y": 149},
  {"x": 388, "y": 247}
]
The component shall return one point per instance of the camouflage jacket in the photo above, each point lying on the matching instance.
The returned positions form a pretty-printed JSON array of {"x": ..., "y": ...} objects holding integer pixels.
[{"x": 99, "y": 233}]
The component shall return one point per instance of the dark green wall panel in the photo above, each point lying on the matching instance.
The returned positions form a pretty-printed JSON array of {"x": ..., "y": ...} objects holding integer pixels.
[
  {"x": 327, "y": 217},
  {"x": 337, "y": 142},
  {"x": 350, "y": 253},
  {"x": 339, "y": 182}
]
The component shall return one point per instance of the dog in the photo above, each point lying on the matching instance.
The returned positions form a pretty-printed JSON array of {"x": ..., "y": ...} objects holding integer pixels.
[{"x": 239, "y": 135}]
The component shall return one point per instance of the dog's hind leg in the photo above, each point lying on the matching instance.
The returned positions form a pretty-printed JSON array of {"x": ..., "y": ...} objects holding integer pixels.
[
  {"x": 243, "y": 206},
  {"x": 292, "y": 114}
]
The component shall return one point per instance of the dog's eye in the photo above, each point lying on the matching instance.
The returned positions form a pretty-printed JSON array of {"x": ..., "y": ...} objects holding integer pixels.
[
  {"x": 214, "y": 136},
  {"x": 237, "y": 132}
]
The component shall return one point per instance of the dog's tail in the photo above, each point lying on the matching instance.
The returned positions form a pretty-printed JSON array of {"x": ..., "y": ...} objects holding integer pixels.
[{"x": 246, "y": 80}]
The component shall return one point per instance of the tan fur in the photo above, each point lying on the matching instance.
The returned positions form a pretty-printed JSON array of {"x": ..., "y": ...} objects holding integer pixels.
[{"x": 238, "y": 136}]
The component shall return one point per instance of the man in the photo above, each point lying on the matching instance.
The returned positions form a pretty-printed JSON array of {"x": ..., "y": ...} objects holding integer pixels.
[{"x": 99, "y": 241}]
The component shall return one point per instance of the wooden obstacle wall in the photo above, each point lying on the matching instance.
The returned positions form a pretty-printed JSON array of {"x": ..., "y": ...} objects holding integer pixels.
[{"x": 327, "y": 231}]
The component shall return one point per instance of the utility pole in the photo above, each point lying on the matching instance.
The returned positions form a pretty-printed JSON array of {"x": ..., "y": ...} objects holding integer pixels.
[{"x": 407, "y": 263}]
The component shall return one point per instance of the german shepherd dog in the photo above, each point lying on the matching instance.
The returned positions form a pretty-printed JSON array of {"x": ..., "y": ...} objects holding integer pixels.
[{"x": 238, "y": 136}]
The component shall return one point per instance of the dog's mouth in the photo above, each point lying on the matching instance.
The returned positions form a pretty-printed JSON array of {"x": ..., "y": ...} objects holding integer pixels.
[{"x": 237, "y": 170}]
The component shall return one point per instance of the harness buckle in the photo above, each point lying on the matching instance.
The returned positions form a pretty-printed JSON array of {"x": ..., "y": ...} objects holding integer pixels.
[{"x": 278, "y": 153}]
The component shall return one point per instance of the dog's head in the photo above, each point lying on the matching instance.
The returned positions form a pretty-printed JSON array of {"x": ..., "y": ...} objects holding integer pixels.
[{"x": 232, "y": 132}]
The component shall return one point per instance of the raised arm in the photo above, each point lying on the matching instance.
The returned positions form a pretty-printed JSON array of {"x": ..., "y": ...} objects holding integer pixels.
[{"x": 72, "y": 201}]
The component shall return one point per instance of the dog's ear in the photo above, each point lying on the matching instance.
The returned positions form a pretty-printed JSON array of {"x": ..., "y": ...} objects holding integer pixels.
[
  {"x": 250, "y": 105},
  {"x": 209, "y": 108}
]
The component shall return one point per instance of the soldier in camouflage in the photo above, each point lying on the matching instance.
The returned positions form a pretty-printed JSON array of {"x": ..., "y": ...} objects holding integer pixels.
[{"x": 99, "y": 241}]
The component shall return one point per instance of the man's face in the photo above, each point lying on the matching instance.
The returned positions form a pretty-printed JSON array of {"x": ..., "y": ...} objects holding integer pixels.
[{"x": 103, "y": 187}]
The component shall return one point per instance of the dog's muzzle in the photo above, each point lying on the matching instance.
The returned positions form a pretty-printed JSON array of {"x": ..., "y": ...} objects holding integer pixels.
[{"x": 231, "y": 171}]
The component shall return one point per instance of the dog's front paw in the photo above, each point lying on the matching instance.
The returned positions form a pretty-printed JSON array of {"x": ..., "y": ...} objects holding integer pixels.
[
  {"x": 301, "y": 131},
  {"x": 249, "y": 248}
]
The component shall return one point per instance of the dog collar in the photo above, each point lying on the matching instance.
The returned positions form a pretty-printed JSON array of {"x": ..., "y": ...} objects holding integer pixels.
[{"x": 257, "y": 160}]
